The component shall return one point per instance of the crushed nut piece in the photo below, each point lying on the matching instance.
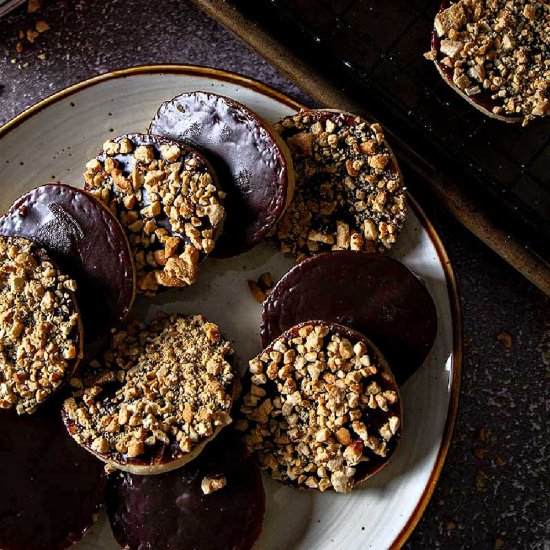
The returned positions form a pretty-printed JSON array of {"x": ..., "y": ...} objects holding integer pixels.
[
  {"x": 505, "y": 338},
  {"x": 211, "y": 484},
  {"x": 257, "y": 293},
  {"x": 42, "y": 26},
  {"x": 34, "y": 5},
  {"x": 261, "y": 288},
  {"x": 481, "y": 480}
]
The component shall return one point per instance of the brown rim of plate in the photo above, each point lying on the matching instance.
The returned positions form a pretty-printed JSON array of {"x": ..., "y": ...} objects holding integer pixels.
[
  {"x": 285, "y": 100},
  {"x": 435, "y": 42}
]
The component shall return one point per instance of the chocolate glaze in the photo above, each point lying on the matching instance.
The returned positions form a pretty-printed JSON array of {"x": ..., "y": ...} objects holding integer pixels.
[
  {"x": 50, "y": 487},
  {"x": 170, "y": 511},
  {"x": 250, "y": 164},
  {"x": 371, "y": 293},
  {"x": 483, "y": 99},
  {"x": 87, "y": 243}
]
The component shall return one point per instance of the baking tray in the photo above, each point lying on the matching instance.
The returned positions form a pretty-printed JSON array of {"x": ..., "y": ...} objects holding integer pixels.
[{"x": 366, "y": 56}]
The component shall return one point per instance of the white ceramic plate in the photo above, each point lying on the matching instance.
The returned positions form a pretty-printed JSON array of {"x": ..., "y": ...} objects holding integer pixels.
[{"x": 53, "y": 141}]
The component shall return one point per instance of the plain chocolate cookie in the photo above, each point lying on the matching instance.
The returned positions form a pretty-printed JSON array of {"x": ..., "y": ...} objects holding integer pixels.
[
  {"x": 216, "y": 501},
  {"x": 51, "y": 488}
]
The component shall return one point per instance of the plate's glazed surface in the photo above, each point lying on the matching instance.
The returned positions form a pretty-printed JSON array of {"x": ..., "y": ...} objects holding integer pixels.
[{"x": 53, "y": 141}]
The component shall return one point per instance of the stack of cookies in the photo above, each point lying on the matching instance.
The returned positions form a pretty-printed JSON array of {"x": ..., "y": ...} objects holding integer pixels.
[{"x": 319, "y": 408}]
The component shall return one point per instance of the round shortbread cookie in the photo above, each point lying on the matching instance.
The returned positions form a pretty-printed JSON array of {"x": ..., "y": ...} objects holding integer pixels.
[
  {"x": 40, "y": 329},
  {"x": 349, "y": 190},
  {"x": 165, "y": 195},
  {"x": 322, "y": 409},
  {"x": 156, "y": 396}
]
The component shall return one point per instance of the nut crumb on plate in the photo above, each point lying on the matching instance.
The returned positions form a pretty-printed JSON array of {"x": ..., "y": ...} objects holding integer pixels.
[{"x": 261, "y": 288}]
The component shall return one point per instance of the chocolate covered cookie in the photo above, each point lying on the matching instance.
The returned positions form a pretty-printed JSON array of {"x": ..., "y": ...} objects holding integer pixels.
[
  {"x": 252, "y": 162},
  {"x": 349, "y": 190},
  {"x": 371, "y": 293},
  {"x": 495, "y": 55},
  {"x": 87, "y": 242},
  {"x": 166, "y": 196},
  {"x": 156, "y": 397},
  {"x": 216, "y": 501},
  {"x": 322, "y": 410},
  {"x": 40, "y": 328},
  {"x": 51, "y": 488}
]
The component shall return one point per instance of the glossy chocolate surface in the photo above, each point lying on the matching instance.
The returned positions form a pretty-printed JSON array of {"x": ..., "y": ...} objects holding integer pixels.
[
  {"x": 250, "y": 164},
  {"x": 87, "y": 243},
  {"x": 374, "y": 294},
  {"x": 50, "y": 487},
  {"x": 171, "y": 512}
]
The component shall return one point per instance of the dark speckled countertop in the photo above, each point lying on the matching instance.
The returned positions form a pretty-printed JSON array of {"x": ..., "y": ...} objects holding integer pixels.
[{"x": 493, "y": 491}]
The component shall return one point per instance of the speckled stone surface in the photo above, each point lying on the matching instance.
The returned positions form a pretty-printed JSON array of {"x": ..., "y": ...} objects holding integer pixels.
[{"x": 493, "y": 491}]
